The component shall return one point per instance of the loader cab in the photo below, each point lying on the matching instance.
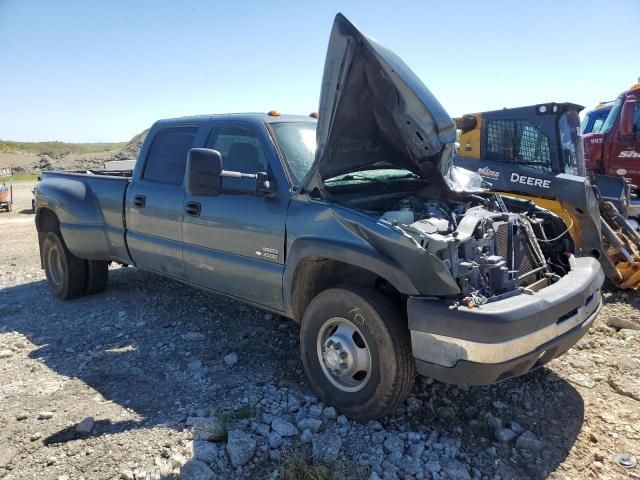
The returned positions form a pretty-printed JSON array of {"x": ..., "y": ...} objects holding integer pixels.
[
  {"x": 525, "y": 150},
  {"x": 543, "y": 139}
]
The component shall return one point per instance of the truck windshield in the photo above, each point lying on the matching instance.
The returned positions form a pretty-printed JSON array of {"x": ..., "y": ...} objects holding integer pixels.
[
  {"x": 297, "y": 140},
  {"x": 613, "y": 115},
  {"x": 571, "y": 142}
]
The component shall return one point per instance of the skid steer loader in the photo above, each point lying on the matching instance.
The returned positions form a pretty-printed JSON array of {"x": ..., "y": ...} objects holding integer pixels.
[{"x": 535, "y": 153}]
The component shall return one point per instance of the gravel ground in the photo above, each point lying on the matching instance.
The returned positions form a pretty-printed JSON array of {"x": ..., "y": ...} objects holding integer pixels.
[{"x": 153, "y": 379}]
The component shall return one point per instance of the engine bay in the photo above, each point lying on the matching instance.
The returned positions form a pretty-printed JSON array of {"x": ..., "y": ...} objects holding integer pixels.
[{"x": 493, "y": 246}]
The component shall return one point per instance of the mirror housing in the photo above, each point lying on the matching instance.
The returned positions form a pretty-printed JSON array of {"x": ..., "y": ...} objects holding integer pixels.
[
  {"x": 626, "y": 118},
  {"x": 203, "y": 174}
]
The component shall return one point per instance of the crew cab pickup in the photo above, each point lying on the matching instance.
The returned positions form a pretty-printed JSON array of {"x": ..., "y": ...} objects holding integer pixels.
[{"x": 355, "y": 225}]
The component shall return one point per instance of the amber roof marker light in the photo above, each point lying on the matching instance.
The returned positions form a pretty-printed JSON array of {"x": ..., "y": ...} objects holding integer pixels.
[
  {"x": 313, "y": 114},
  {"x": 274, "y": 113}
]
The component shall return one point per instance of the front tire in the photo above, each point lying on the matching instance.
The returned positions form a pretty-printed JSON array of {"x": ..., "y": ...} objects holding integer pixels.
[
  {"x": 356, "y": 352},
  {"x": 66, "y": 273}
]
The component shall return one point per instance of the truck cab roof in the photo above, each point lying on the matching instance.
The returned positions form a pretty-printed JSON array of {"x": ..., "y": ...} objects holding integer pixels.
[{"x": 252, "y": 118}]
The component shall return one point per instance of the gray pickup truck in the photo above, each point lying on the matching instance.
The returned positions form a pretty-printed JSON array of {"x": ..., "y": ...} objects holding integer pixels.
[{"x": 355, "y": 225}]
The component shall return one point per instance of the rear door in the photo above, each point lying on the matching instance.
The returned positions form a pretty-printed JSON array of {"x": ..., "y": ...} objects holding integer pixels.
[
  {"x": 234, "y": 242},
  {"x": 155, "y": 203}
]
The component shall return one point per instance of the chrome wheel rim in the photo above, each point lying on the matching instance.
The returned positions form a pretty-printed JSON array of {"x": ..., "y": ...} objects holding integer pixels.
[
  {"x": 344, "y": 354},
  {"x": 55, "y": 268}
]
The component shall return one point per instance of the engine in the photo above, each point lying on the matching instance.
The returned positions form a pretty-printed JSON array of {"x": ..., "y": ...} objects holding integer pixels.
[{"x": 489, "y": 250}]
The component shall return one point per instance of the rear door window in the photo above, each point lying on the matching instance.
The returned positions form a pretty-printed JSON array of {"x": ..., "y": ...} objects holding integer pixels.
[{"x": 167, "y": 158}]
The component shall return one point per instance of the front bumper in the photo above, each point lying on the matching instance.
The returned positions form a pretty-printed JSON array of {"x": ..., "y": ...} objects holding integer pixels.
[{"x": 506, "y": 338}]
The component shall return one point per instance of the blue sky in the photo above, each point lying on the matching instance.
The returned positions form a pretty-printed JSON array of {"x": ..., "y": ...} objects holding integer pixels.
[{"x": 82, "y": 70}]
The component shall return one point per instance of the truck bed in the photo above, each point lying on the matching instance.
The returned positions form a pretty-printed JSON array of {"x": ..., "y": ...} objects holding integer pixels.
[{"x": 104, "y": 173}]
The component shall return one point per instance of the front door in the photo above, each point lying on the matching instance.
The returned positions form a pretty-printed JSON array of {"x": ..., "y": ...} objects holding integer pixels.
[
  {"x": 234, "y": 242},
  {"x": 155, "y": 203}
]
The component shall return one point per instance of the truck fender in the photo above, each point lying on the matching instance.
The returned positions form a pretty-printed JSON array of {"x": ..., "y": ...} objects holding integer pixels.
[
  {"x": 324, "y": 249},
  {"x": 81, "y": 223}
]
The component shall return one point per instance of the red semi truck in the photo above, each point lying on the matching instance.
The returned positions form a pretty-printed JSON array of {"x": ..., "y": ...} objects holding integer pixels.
[{"x": 615, "y": 149}]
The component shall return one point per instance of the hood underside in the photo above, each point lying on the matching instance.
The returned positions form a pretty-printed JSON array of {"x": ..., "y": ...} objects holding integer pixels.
[{"x": 374, "y": 111}]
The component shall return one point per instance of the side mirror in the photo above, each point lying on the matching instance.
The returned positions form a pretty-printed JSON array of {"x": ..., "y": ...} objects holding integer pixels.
[
  {"x": 626, "y": 118},
  {"x": 203, "y": 175}
]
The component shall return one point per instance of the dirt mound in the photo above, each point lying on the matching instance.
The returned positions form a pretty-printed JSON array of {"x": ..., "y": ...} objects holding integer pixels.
[
  {"x": 131, "y": 149},
  {"x": 72, "y": 161}
]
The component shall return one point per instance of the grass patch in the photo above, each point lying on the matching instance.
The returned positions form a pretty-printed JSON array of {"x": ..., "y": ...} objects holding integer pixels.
[
  {"x": 621, "y": 335},
  {"x": 221, "y": 434},
  {"x": 54, "y": 149},
  {"x": 298, "y": 469}
]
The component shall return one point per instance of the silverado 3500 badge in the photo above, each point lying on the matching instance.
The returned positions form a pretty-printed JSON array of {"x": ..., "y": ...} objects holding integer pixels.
[{"x": 270, "y": 253}]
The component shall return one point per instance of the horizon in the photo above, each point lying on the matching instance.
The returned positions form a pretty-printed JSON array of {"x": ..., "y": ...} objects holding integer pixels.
[{"x": 103, "y": 73}]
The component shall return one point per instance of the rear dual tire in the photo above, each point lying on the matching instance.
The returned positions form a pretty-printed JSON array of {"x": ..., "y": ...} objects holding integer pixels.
[
  {"x": 356, "y": 351},
  {"x": 67, "y": 275},
  {"x": 97, "y": 276}
]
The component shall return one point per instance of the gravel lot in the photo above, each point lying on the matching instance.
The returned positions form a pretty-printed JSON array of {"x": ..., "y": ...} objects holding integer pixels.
[{"x": 179, "y": 382}]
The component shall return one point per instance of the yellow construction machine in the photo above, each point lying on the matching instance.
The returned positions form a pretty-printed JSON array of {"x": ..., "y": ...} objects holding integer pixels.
[{"x": 535, "y": 153}]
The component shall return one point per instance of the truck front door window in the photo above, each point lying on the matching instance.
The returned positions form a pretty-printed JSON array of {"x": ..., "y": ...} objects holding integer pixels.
[{"x": 240, "y": 148}]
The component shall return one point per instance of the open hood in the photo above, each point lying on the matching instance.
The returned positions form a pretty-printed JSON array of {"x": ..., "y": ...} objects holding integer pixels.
[{"x": 374, "y": 110}]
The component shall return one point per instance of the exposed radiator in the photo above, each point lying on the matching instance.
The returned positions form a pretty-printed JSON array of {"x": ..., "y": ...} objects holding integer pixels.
[{"x": 525, "y": 257}]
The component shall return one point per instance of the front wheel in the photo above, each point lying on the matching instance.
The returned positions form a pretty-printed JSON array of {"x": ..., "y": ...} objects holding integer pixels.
[
  {"x": 66, "y": 273},
  {"x": 356, "y": 351}
]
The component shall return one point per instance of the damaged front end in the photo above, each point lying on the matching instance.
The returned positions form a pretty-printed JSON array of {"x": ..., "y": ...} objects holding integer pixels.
[
  {"x": 472, "y": 250},
  {"x": 490, "y": 251}
]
